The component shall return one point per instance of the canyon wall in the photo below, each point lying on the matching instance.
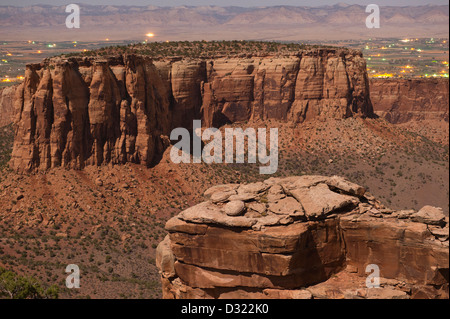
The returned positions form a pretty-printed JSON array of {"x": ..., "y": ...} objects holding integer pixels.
[
  {"x": 402, "y": 100},
  {"x": 295, "y": 237},
  {"x": 89, "y": 111}
]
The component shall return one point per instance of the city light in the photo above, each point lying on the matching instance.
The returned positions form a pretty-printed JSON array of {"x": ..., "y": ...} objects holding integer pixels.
[
  {"x": 384, "y": 75},
  {"x": 385, "y": 59}
]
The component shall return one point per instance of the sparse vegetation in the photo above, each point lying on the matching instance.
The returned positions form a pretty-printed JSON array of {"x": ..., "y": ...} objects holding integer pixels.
[
  {"x": 200, "y": 49},
  {"x": 14, "y": 286}
]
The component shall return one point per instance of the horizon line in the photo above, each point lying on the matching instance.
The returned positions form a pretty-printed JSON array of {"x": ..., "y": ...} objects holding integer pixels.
[{"x": 220, "y": 6}]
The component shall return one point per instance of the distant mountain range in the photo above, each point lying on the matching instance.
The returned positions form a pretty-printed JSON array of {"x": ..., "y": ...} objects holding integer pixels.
[{"x": 341, "y": 21}]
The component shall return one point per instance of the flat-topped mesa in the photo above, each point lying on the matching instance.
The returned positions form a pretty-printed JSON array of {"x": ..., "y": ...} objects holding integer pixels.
[
  {"x": 89, "y": 111},
  {"x": 285, "y": 237}
]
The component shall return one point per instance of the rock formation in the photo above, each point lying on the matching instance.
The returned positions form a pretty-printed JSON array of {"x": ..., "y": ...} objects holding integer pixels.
[
  {"x": 89, "y": 111},
  {"x": 401, "y": 100},
  {"x": 7, "y": 97},
  {"x": 316, "y": 84},
  {"x": 286, "y": 237},
  {"x": 76, "y": 113}
]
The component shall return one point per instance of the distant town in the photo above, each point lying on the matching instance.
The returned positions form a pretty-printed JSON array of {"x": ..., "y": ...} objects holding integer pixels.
[
  {"x": 386, "y": 58},
  {"x": 404, "y": 58}
]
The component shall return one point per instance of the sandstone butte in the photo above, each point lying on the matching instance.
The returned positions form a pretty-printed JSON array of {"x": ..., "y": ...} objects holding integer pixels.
[
  {"x": 300, "y": 238},
  {"x": 88, "y": 111}
]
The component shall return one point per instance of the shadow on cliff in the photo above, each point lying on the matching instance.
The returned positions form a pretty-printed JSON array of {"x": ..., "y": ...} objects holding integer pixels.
[{"x": 319, "y": 255}]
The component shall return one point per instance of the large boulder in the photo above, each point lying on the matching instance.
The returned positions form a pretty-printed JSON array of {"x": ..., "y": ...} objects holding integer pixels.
[
  {"x": 430, "y": 215},
  {"x": 302, "y": 237}
]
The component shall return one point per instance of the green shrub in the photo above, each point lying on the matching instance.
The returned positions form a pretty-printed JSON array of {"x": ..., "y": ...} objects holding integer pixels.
[{"x": 13, "y": 286}]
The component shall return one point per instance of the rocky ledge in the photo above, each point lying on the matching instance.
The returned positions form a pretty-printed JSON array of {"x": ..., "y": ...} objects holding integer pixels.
[{"x": 302, "y": 237}]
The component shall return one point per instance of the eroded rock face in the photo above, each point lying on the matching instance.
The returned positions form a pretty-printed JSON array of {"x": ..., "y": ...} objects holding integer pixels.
[
  {"x": 75, "y": 113},
  {"x": 315, "y": 84},
  {"x": 90, "y": 111},
  {"x": 293, "y": 235},
  {"x": 400, "y": 101},
  {"x": 7, "y": 98}
]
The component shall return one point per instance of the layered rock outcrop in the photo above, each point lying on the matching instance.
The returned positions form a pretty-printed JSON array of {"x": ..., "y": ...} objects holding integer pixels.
[
  {"x": 403, "y": 100},
  {"x": 315, "y": 84},
  {"x": 74, "y": 113},
  {"x": 88, "y": 111},
  {"x": 7, "y": 97},
  {"x": 285, "y": 237}
]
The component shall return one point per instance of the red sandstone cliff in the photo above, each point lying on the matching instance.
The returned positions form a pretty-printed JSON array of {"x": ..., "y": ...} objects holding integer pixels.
[
  {"x": 317, "y": 84},
  {"x": 400, "y": 101},
  {"x": 79, "y": 112},
  {"x": 7, "y": 97}
]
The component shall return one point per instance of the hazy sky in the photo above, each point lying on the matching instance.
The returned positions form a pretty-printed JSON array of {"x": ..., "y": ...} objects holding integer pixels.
[{"x": 246, "y": 3}]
